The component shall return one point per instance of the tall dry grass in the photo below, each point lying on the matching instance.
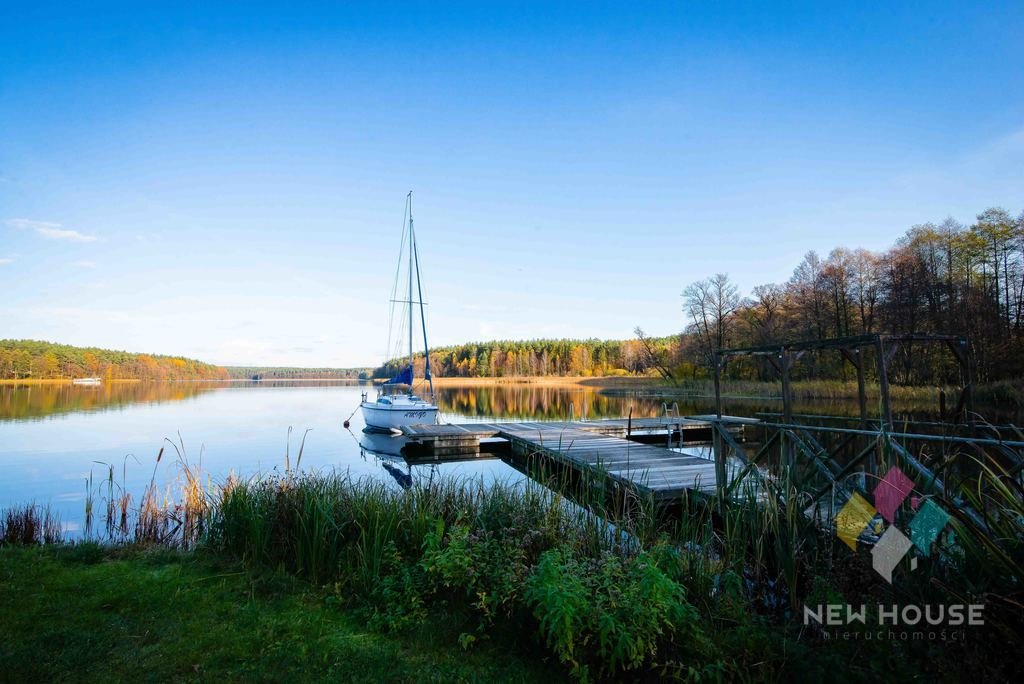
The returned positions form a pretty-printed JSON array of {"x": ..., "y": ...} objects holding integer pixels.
[{"x": 30, "y": 524}]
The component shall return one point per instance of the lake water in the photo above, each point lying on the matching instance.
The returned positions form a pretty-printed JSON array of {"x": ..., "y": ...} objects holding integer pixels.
[{"x": 53, "y": 437}]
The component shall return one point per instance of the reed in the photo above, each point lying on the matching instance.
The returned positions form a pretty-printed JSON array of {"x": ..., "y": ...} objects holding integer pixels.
[
  {"x": 173, "y": 516},
  {"x": 29, "y": 525},
  {"x": 334, "y": 528},
  {"x": 116, "y": 501}
]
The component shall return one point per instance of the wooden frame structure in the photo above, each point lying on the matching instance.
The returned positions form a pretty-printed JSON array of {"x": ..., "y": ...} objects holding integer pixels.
[
  {"x": 782, "y": 357},
  {"x": 831, "y": 454}
]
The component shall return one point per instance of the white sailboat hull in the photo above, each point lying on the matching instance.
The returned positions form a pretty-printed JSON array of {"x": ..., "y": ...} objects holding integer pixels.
[{"x": 395, "y": 417}]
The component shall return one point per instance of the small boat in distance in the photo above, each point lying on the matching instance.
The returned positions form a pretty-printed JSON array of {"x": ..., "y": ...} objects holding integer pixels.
[
  {"x": 86, "y": 381},
  {"x": 396, "y": 406}
]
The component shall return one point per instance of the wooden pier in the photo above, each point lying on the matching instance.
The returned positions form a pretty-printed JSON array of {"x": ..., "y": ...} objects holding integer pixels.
[{"x": 604, "y": 447}]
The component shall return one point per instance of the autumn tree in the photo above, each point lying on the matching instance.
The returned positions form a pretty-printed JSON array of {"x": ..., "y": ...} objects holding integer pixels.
[{"x": 710, "y": 304}]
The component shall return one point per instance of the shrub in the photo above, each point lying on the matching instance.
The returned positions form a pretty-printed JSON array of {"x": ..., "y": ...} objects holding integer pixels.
[
  {"x": 615, "y": 615},
  {"x": 487, "y": 568}
]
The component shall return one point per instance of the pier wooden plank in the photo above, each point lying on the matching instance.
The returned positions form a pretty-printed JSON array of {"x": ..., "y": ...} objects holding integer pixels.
[{"x": 594, "y": 446}]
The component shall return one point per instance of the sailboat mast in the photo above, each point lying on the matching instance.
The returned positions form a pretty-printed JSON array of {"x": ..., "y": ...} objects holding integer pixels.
[
  {"x": 423, "y": 323},
  {"x": 411, "y": 250}
]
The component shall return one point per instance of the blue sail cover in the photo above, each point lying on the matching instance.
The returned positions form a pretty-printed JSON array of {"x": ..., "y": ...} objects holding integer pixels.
[{"x": 403, "y": 378}]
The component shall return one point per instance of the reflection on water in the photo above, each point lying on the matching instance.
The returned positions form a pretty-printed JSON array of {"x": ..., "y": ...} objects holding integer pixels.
[
  {"x": 54, "y": 437},
  {"x": 381, "y": 444},
  {"x": 503, "y": 401},
  {"x": 541, "y": 403},
  {"x": 387, "y": 450},
  {"x": 25, "y": 402}
]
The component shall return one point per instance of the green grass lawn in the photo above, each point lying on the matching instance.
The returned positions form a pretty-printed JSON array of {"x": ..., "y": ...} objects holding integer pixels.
[{"x": 89, "y": 614}]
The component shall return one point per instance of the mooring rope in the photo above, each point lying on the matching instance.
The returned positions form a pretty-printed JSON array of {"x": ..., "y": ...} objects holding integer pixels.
[{"x": 345, "y": 424}]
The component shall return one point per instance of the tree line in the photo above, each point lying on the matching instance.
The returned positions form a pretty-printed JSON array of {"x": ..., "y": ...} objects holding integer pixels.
[
  {"x": 34, "y": 359},
  {"x": 542, "y": 357},
  {"x": 293, "y": 373},
  {"x": 939, "y": 278}
]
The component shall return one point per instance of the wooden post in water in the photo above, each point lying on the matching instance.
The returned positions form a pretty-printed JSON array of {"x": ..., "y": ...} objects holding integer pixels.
[
  {"x": 969, "y": 386},
  {"x": 855, "y": 357},
  {"x": 883, "y": 388},
  {"x": 883, "y": 381},
  {"x": 961, "y": 349},
  {"x": 787, "y": 406},
  {"x": 716, "y": 439},
  {"x": 862, "y": 395},
  {"x": 718, "y": 384}
]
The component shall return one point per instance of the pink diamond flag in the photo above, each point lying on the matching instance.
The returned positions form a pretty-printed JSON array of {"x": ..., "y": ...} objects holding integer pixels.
[{"x": 891, "y": 492}]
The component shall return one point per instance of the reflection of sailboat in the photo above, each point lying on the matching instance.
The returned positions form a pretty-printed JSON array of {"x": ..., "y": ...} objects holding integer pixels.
[
  {"x": 382, "y": 445},
  {"x": 403, "y": 479},
  {"x": 388, "y": 450},
  {"x": 391, "y": 411}
]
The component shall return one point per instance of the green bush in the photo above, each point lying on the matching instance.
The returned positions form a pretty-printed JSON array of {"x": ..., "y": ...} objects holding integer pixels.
[
  {"x": 486, "y": 568},
  {"x": 615, "y": 615}
]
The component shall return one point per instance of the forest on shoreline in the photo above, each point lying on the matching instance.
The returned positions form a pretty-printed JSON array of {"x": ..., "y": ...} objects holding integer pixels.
[
  {"x": 37, "y": 360},
  {"x": 295, "y": 373}
]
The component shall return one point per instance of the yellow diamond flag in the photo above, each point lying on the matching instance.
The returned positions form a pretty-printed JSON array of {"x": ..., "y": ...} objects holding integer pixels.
[{"x": 853, "y": 518}]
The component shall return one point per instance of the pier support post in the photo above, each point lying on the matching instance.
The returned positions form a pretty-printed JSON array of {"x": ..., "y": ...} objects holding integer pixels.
[
  {"x": 855, "y": 357},
  {"x": 716, "y": 440},
  {"x": 965, "y": 405},
  {"x": 787, "y": 408},
  {"x": 883, "y": 381},
  {"x": 718, "y": 384}
]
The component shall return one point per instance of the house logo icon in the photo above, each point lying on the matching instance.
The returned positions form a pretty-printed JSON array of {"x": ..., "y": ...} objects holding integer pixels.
[{"x": 889, "y": 494}]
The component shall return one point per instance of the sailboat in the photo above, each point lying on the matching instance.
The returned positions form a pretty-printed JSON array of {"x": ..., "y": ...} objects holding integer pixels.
[{"x": 394, "y": 408}]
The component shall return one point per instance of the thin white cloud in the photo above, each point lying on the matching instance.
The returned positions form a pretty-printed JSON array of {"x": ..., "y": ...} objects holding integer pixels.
[
  {"x": 28, "y": 224},
  {"x": 49, "y": 230},
  {"x": 4, "y": 261},
  {"x": 1013, "y": 142},
  {"x": 981, "y": 177},
  {"x": 85, "y": 264},
  {"x": 61, "y": 234},
  {"x": 1006, "y": 148}
]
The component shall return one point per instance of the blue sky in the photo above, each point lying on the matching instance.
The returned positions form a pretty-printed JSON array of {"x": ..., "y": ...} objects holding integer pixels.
[{"x": 227, "y": 183}]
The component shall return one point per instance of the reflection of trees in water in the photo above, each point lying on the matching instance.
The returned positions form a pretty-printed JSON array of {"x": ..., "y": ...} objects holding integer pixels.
[
  {"x": 552, "y": 403},
  {"x": 32, "y": 402},
  {"x": 542, "y": 403},
  {"x": 27, "y": 402},
  {"x": 20, "y": 402}
]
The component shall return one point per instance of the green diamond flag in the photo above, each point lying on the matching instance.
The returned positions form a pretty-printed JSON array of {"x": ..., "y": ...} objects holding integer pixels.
[{"x": 927, "y": 524}]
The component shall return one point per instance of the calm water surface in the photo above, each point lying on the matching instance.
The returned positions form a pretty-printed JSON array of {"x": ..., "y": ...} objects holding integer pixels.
[{"x": 53, "y": 437}]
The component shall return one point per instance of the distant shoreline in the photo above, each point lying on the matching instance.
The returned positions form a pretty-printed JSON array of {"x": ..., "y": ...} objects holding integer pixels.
[
  {"x": 58, "y": 381},
  {"x": 69, "y": 381}
]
